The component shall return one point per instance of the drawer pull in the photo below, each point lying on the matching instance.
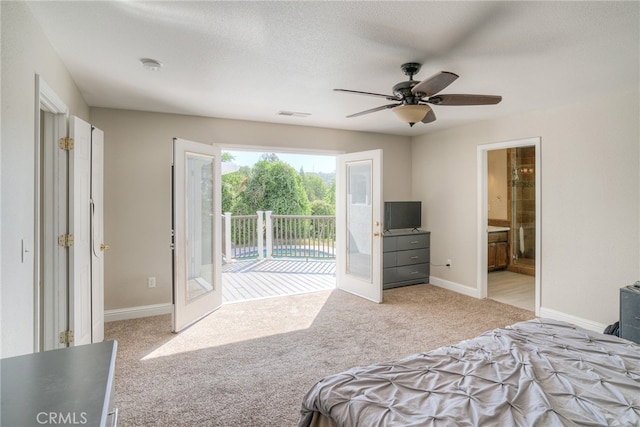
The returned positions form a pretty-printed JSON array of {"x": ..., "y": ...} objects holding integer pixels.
[
  {"x": 415, "y": 257},
  {"x": 637, "y": 318},
  {"x": 114, "y": 420},
  {"x": 415, "y": 272},
  {"x": 415, "y": 242}
]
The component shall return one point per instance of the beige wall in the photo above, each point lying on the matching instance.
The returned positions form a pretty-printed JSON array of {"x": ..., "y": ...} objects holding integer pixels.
[
  {"x": 25, "y": 53},
  {"x": 590, "y": 200},
  {"x": 137, "y": 185}
]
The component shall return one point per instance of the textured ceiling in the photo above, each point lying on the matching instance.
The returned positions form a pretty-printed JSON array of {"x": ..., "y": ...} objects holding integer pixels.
[{"x": 249, "y": 60}]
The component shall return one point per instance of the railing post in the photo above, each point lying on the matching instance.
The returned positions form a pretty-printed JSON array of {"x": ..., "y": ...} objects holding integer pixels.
[
  {"x": 227, "y": 237},
  {"x": 269, "y": 233},
  {"x": 260, "y": 233}
]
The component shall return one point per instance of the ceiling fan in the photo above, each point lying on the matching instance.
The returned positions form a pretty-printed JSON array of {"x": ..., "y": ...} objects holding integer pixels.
[{"x": 411, "y": 97}]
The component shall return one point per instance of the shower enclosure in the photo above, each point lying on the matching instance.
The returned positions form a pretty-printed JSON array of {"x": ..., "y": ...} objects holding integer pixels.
[{"x": 522, "y": 163}]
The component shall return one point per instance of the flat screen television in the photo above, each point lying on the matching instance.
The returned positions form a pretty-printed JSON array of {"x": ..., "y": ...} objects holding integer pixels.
[{"x": 399, "y": 215}]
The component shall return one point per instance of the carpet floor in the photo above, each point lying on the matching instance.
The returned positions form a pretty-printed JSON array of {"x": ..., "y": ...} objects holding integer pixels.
[{"x": 250, "y": 364}]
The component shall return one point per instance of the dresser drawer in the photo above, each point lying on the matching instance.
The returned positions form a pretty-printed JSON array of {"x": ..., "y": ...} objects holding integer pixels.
[
  {"x": 389, "y": 275},
  {"x": 412, "y": 272},
  {"x": 415, "y": 256},
  {"x": 498, "y": 236},
  {"x": 389, "y": 244},
  {"x": 412, "y": 242},
  {"x": 390, "y": 259}
]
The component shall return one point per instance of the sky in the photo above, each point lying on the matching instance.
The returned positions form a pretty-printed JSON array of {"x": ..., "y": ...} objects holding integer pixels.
[{"x": 309, "y": 162}]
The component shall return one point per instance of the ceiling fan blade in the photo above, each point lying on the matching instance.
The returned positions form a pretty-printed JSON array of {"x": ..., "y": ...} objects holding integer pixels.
[
  {"x": 435, "y": 83},
  {"x": 464, "y": 99},
  {"x": 388, "y": 97},
  {"x": 373, "y": 110},
  {"x": 430, "y": 117}
]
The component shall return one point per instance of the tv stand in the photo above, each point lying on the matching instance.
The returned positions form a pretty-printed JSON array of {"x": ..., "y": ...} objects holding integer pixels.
[{"x": 405, "y": 257}]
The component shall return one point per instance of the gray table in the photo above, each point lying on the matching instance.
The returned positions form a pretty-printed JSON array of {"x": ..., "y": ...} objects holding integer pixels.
[{"x": 69, "y": 386}]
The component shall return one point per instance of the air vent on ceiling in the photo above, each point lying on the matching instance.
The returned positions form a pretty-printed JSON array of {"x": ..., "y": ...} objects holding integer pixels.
[{"x": 292, "y": 114}]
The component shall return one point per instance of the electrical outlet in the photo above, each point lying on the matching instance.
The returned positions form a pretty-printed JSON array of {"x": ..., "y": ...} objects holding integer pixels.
[
  {"x": 151, "y": 282},
  {"x": 449, "y": 263}
]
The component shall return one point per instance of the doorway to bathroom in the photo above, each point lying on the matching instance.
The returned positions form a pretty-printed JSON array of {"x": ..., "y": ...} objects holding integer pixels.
[{"x": 509, "y": 222}]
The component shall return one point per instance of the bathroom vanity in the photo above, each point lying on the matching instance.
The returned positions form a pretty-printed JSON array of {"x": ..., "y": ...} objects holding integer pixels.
[{"x": 498, "y": 251}]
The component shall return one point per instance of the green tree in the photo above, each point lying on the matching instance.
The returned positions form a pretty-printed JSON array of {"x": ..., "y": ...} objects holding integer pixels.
[
  {"x": 320, "y": 207},
  {"x": 232, "y": 186},
  {"x": 330, "y": 195},
  {"x": 275, "y": 185},
  {"x": 314, "y": 186}
]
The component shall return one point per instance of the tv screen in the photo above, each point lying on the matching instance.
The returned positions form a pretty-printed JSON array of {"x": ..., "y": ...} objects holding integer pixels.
[{"x": 399, "y": 215}]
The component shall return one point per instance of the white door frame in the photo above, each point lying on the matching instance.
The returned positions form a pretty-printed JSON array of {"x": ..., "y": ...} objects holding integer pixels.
[
  {"x": 50, "y": 218},
  {"x": 483, "y": 212}
]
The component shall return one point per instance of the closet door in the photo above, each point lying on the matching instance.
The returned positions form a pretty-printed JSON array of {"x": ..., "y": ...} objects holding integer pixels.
[
  {"x": 98, "y": 247},
  {"x": 80, "y": 277}
]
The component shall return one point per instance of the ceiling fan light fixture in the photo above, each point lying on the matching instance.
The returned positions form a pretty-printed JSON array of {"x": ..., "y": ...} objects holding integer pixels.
[{"x": 411, "y": 113}]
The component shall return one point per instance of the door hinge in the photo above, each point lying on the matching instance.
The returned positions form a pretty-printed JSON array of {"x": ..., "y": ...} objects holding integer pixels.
[
  {"x": 66, "y": 143},
  {"x": 65, "y": 240},
  {"x": 66, "y": 337}
]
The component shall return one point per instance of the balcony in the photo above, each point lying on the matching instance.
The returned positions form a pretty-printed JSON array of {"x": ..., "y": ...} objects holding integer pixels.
[
  {"x": 268, "y": 255},
  {"x": 269, "y": 236}
]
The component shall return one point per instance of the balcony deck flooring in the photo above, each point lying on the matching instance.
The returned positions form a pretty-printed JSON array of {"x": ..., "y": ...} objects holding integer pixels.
[{"x": 256, "y": 279}]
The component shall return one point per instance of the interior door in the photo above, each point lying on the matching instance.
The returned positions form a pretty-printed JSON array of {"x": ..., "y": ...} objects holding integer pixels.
[
  {"x": 80, "y": 228},
  {"x": 97, "y": 235},
  {"x": 197, "y": 220},
  {"x": 359, "y": 224}
]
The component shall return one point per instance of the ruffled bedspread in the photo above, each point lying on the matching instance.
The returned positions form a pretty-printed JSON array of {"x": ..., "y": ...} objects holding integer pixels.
[{"x": 539, "y": 372}]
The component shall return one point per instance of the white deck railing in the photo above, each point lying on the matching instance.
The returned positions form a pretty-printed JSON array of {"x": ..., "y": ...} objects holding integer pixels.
[{"x": 283, "y": 236}]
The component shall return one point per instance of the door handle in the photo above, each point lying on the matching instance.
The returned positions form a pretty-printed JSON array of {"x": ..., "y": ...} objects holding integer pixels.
[{"x": 104, "y": 247}]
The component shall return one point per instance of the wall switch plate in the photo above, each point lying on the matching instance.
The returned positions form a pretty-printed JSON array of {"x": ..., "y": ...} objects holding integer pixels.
[{"x": 151, "y": 282}]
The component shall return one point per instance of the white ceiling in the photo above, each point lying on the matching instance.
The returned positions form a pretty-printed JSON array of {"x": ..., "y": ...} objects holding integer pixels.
[{"x": 249, "y": 60}]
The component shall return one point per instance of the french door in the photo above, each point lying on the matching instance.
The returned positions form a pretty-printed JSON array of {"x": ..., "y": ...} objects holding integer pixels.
[
  {"x": 197, "y": 260},
  {"x": 359, "y": 224}
]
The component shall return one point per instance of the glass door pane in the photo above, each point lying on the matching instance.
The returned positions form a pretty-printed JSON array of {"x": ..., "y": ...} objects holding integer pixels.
[
  {"x": 199, "y": 209},
  {"x": 359, "y": 219},
  {"x": 523, "y": 208}
]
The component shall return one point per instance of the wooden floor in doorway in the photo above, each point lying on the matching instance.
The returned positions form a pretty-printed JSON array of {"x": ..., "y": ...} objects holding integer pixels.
[
  {"x": 512, "y": 288},
  {"x": 257, "y": 279}
]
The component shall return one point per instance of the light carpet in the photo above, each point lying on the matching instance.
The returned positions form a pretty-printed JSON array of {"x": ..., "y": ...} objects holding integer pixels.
[{"x": 250, "y": 364}]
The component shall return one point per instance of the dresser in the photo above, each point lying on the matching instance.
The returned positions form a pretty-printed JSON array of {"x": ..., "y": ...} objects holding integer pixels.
[
  {"x": 630, "y": 313},
  {"x": 405, "y": 258},
  {"x": 68, "y": 386}
]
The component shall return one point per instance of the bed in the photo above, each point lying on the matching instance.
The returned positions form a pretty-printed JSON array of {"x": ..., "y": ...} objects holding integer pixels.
[{"x": 539, "y": 372}]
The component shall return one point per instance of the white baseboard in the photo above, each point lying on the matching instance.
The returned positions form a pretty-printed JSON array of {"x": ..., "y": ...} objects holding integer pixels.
[
  {"x": 544, "y": 312},
  {"x": 136, "y": 312},
  {"x": 453, "y": 286},
  {"x": 579, "y": 321}
]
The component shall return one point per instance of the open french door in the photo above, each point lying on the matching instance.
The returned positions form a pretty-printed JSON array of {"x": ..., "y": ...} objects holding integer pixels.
[
  {"x": 197, "y": 220},
  {"x": 359, "y": 224}
]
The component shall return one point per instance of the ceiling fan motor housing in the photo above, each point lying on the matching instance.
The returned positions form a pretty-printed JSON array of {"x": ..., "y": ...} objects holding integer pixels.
[{"x": 402, "y": 90}]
